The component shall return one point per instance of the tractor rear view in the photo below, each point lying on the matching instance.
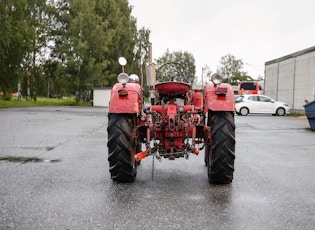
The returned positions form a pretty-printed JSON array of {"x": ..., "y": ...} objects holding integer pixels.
[{"x": 178, "y": 122}]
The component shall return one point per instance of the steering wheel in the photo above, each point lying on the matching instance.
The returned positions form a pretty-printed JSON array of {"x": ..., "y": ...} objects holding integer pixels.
[{"x": 170, "y": 71}]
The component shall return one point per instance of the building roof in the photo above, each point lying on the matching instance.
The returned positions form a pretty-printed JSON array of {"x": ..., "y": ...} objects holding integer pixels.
[{"x": 299, "y": 53}]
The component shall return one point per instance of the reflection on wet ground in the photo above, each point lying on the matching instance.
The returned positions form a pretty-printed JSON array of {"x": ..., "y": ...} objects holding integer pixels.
[
  {"x": 273, "y": 186},
  {"x": 16, "y": 159}
]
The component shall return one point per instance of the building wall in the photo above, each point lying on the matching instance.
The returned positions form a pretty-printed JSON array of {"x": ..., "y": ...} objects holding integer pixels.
[
  {"x": 101, "y": 96},
  {"x": 291, "y": 78},
  {"x": 271, "y": 80},
  {"x": 304, "y": 79}
]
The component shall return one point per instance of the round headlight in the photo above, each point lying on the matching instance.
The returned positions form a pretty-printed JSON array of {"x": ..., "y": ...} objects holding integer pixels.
[
  {"x": 216, "y": 78},
  {"x": 134, "y": 78},
  {"x": 123, "y": 78},
  {"x": 122, "y": 61}
]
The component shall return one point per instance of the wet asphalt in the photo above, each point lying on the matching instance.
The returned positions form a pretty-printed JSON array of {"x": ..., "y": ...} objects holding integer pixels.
[{"x": 54, "y": 175}]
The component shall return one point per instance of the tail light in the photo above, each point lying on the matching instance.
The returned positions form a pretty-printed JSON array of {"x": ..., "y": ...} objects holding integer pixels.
[{"x": 221, "y": 90}]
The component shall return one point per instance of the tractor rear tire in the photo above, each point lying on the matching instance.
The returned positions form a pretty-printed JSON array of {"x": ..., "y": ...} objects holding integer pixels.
[
  {"x": 122, "y": 164},
  {"x": 221, "y": 155}
]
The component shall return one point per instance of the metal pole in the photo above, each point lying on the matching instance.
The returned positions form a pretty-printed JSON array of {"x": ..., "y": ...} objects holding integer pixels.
[
  {"x": 202, "y": 77},
  {"x": 294, "y": 74},
  {"x": 150, "y": 53},
  {"x": 151, "y": 88},
  {"x": 48, "y": 88},
  {"x": 141, "y": 73}
]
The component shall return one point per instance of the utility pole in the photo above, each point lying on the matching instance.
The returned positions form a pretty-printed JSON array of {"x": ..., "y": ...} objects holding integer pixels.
[
  {"x": 202, "y": 76},
  {"x": 151, "y": 76}
]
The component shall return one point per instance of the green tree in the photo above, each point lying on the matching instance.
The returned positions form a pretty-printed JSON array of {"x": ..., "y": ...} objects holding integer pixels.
[
  {"x": 205, "y": 75},
  {"x": 67, "y": 46},
  {"x": 232, "y": 69},
  {"x": 58, "y": 68},
  {"x": 23, "y": 45},
  {"x": 98, "y": 33},
  {"x": 38, "y": 16},
  {"x": 186, "y": 59},
  {"x": 14, "y": 42},
  {"x": 122, "y": 31},
  {"x": 141, "y": 52}
]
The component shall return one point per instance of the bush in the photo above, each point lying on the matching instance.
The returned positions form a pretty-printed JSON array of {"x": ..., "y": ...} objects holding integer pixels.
[{"x": 7, "y": 96}]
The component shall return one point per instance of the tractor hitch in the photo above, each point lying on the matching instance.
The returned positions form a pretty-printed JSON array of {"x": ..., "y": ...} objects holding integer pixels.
[{"x": 140, "y": 156}]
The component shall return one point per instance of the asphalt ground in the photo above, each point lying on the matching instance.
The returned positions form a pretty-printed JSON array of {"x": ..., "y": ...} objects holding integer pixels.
[{"x": 54, "y": 175}]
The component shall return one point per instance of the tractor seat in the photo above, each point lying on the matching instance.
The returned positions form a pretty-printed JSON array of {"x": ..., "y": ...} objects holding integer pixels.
[{"x": 172, "y": 87}]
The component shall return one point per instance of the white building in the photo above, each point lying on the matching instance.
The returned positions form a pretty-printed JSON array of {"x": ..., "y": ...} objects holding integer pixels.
[
  {"x": 101, "y": 96},
  {"x": 291, "y": 78}
]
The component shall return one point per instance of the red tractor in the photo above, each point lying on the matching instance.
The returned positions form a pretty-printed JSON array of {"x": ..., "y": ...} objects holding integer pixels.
[{"x": 182, "y": 121}]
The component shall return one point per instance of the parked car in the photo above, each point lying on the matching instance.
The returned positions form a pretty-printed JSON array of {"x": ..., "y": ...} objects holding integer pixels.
[
  {"x": 236, "y": 97},
  {"x": 260, "y": 104}
]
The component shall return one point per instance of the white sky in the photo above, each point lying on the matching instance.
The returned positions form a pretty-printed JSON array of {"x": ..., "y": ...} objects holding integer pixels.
[{"x": 255, "y": 31}]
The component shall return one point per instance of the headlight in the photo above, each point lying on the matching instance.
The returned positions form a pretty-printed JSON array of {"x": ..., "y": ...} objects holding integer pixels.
[
  {"x": 122, "y": 61},
  {"x": 134, "y": 78},
  {"x": 216, "y": 78},
  {"x": 123, "y": 78}
]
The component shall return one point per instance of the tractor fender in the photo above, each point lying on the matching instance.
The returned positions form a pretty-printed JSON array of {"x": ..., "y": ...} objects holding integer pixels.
[
  {"x": 218, "y": 100},
  {"x": 122, "y": 102}
]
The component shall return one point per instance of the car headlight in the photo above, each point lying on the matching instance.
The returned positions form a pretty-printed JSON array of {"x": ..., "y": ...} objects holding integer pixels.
[{"x": 216, "y": 78}]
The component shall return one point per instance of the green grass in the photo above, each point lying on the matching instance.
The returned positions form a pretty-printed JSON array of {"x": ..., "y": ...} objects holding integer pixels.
[
  {"x": 296, "y": 114},
  {"x": 41, "y": 101}
]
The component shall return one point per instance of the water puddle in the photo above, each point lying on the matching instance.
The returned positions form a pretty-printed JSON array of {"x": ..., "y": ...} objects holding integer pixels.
[{"x": 22, "y": 160}]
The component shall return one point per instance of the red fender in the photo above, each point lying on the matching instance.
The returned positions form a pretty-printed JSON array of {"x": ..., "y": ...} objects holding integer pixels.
[
  {"x": 219, "y": 98},
  {"x": 126, "y": 103}
]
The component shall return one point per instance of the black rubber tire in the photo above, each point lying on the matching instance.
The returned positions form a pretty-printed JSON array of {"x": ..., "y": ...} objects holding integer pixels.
[
  {"x": 280, "y": 111},
  {"x": 244, "y": 111},
  {"x": 221, "y": 155},
  {"x": 122, "y": 165},
  {"x": 206, "y": 154}
]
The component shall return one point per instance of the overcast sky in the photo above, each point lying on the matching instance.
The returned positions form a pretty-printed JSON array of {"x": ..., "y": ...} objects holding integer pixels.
[{"x": 253, "y": 31}]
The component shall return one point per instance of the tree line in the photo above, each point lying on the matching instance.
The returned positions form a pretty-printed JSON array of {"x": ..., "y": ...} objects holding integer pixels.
[{"x": 67, "y": 47}]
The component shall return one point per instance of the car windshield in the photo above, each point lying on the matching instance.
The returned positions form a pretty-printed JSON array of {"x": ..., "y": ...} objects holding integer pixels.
[
  {"x": 239, "y": 98},
  {"x": 248, "y": 85}
]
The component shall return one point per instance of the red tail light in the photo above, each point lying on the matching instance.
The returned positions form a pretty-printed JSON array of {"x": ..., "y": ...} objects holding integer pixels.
[
  {"x": 123, "y": 92},
  {"x": 221, "y": 90}
]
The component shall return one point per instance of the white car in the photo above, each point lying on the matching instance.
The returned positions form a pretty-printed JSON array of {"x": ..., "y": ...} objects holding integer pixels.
[{"x": 260, "y": 104}]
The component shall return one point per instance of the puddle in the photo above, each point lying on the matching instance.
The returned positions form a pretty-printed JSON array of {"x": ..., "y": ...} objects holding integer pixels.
[
  {"x": 23, "y": 160},
  {"x": 47, "y": 148}
]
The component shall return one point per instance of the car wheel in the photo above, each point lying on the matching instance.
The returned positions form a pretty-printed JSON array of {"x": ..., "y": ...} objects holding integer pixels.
[
  {"x": 244, "y": 111},
  {"x": 280, "y": 112}
]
